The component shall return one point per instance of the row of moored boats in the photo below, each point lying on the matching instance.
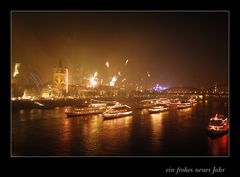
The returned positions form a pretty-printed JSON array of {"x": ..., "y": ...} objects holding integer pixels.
[
  {"x": 110, "y": 109},
  {"x": 217, "y": 125}
]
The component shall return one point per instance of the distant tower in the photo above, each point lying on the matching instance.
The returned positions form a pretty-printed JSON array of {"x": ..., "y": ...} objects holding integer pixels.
[{"x": 60, "y": 80}]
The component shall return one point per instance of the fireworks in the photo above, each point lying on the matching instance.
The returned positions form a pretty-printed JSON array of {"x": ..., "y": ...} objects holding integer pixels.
[
  {"x": 16, "y": 72},
  {"x": 123, "y": 80},
  {"x": 93, "y": 81},
  {"x": 126, "y": 62},
  {"x": 113, "y": 81},
  {"x": 148, "y": 74},
  {"x": 107, "y": 64},
  {"x": 159, "y": 88}
]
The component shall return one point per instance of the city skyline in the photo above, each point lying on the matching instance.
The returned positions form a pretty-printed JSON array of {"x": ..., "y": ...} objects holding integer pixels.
[{"x": 189, "y": 49}]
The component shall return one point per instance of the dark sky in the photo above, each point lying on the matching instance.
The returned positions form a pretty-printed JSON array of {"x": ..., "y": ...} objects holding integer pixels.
[{"x": 176, "y": 48}]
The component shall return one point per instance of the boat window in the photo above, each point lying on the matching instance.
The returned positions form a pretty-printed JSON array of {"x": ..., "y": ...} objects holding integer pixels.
[{"x": 216, "y": 122}]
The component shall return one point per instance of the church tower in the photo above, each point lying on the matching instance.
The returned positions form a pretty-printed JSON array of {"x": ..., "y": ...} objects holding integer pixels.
[{"x": 60, "y": 80}]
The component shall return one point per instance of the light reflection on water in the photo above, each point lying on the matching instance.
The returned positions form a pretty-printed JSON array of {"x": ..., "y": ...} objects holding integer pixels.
[
  {"x": 218, "y": 145},
  {"x": 50, "y": 132},
  {"x": 156, "y": 121}
]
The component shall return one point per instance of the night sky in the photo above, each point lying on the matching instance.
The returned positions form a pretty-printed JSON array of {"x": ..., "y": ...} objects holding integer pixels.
[{"x": 177, "y": 49}]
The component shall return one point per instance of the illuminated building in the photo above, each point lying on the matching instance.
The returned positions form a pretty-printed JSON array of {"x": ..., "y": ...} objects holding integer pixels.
[
  {"x": 60, "y": 81},
  {"x": 45, "y": 92}
]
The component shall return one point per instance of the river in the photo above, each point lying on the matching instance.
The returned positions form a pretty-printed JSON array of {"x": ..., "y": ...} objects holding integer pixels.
[{"x": 48, "y": 132}]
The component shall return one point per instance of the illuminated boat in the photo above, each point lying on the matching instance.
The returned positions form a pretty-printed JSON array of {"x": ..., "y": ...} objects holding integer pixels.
[
  {"x": 218, "y": 125},
  {"x": 193, "y": 101},
  {"x": 164, "y": 101},
  {"x": 174, "y": 101},
  {"x": 94, "y": 108},
  {"x": 148, "y": 103},
  {"x": 184, "y": 104},
  {"x": 116, "y": 111},
  {"x": 158, "y": 108}
]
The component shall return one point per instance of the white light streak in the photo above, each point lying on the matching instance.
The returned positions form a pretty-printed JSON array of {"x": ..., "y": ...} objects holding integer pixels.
[
  {"x": 124, "y": 80},
  {"x": 16, "y": 72},
  {"x": 107, "y": 64}
]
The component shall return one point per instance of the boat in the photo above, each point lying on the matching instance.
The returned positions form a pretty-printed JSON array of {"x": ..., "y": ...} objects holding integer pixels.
[
  {"x": 148, "y": 103},
  {"x": 218, "y": 125},
  {"x": 116, "y": 111},
  {"x": 184, "y": 104},
  {"x": 164, "y": 101},
  {"x": 193, "y": 101},
  {"x": 158, "y": 108},
  {"x": 174, "y": 101},
  {"x": 93, "y": 108}
]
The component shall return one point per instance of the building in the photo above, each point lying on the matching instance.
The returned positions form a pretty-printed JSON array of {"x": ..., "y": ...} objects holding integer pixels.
[
  {"x": 60, "y": 81},
  {"x": 46, "y": 92}
]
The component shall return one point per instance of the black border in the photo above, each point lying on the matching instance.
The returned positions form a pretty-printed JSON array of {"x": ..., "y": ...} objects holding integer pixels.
[{"x": 117, "y": 165}]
